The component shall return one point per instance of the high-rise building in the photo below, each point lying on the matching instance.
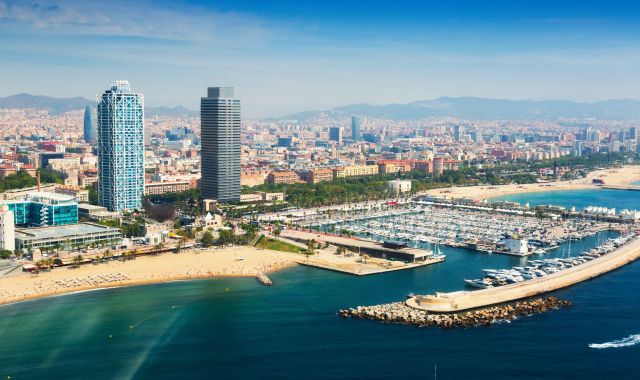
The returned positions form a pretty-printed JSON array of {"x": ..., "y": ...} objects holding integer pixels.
[
  {"x": 457, "y": 132},
  {"x": 121, "y": 148},
  {"x": 356, "y": 135},
  {"x": 335, "y": 134},
  {"x": 7, "y": 229},
  {"x": 89, "y": 126},
  {"x": 633, "y": 133},
  {"x": 220, "y": 140}
]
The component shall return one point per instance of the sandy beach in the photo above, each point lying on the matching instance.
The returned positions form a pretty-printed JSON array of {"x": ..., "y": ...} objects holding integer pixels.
[
  {"x": 240, "y": 261},
  {"x": 613, "y": 177}
]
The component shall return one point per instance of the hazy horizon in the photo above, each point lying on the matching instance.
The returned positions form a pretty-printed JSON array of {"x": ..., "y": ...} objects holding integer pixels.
[{"x": 284, "y": 58}]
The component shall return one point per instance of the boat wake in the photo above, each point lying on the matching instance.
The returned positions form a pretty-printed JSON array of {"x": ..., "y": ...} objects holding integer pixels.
[{"x": 631, "y": 340}]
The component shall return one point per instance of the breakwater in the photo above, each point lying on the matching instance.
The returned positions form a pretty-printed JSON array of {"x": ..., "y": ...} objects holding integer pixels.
[
  {"x": 400, "y": 313},
  {"x": 264, "y": 279},
  {"x": 467, "y": 300}
]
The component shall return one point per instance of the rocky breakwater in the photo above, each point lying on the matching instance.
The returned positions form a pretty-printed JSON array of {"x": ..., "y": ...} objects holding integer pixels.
[{"x": 400, "y": 313}]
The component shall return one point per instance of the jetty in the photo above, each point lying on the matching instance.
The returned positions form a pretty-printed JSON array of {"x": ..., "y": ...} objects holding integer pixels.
[
  {"x": 466, "y": 300},
  {"x": 621, "y": 187},
  {"x": 264, "y": 279}
]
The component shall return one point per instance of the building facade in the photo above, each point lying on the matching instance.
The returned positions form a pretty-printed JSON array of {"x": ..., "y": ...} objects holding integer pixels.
[
  {"x": 7, "y": 229},
  {"x": 121, "y": 148},
  {"x": 44, "y": 209},
  {"x": 220, "y": 139},
  {"x": 89, "y": 126},
  {"x": 356, "y": 135},
  {"x": 355, "y": 171},
  {"x": 335, "y": 134}
]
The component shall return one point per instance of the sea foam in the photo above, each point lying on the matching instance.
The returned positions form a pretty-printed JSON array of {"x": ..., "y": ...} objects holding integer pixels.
[{"x": 631, "y": 340}]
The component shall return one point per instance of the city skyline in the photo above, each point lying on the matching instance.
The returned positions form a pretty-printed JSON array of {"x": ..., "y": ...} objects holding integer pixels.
[{"x": 287, "y": 60}]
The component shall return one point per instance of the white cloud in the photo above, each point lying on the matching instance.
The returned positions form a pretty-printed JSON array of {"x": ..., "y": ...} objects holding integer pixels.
[{"x": 135, "y": 19}]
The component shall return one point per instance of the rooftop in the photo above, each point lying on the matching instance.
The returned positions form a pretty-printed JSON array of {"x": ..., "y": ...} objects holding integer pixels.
[{"x": 62, "y": 232}]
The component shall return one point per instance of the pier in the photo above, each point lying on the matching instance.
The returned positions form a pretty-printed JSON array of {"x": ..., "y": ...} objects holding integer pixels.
[
  {"x": 364, "y": 257},
  {"x": 621, "y": 187},
  {"x": 465, "y": 300}
]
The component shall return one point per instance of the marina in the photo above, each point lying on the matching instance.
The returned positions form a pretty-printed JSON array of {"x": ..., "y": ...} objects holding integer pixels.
[{"x": 426, "y": 224}]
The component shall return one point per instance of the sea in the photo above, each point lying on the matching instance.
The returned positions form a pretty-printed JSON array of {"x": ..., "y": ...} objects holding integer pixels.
[{"x": 240, "y": 329}]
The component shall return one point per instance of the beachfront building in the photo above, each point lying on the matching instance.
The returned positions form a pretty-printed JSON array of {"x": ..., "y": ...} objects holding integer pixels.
[
  {"x": 69, "y": 237},
  {"x": 43, "y": 209},
  {"x": 399, "y": 186},
  {"x": 220, "y": 139},
  {"x": 121, "y": 148},
  {"x": 7, "y": 229}
]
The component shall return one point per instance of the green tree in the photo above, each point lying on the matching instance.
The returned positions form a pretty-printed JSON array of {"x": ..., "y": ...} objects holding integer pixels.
[
  {"x": 226, "y": 237},
  {"x": 207, "y": 239},
  {"x": 311, "y": 246}
]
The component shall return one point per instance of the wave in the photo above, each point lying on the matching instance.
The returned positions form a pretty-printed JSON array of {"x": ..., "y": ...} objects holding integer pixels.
[{"x": 631, "y": 340}]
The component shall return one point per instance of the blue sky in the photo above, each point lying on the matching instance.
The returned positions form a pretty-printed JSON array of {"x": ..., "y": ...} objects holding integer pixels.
[{"x": 287, "y": 56}]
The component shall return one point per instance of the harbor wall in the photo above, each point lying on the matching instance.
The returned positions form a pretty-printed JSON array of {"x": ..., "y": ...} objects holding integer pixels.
[{"x": 464, "y": 300}]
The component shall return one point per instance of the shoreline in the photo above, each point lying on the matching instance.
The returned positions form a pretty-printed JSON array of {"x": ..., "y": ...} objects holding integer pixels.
[
  {"x": 613, "y": 177},
  {"x": 222, "y": 263}
]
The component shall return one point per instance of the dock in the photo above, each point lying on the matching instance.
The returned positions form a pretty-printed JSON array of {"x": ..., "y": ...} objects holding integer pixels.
[
  {"x": 466, "y": 300},
  {"x": 365, "y": 257},
  {"x": 366, "y": 246},
  {"x": 621, "y": 187}
]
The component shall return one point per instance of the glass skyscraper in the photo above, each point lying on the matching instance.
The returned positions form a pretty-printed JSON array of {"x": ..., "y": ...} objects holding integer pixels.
[
  {"x": 220, "y": 141},
  {"x": 355, "y": 129},
  {"x": 89, "y": 126},
  {"x": 121, "y": 148}
]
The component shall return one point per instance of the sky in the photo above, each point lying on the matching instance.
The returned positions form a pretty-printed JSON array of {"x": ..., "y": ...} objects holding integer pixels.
[{"x": 286, "y": 56}]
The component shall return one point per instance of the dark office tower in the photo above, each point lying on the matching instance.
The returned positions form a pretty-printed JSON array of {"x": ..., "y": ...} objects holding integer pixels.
[
  {"x": 456, "y": 132},
  {"x": 633, "y": 133},
  {"x": 89, "y": 126},
  {"x": 335, "y": 134},
  {"x": 220, "y": 140},
  {"x": 355, "y": 129}
]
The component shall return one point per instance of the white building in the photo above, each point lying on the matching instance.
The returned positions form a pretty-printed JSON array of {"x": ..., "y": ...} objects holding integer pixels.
[
  {"x": 517, "y": 246},
  {"x": 399, "y": 186},
  {"x": 7, "y": 229}
]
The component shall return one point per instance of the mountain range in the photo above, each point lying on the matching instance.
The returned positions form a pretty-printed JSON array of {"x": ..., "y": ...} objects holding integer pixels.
[
  {"x": 465, "y": 108},
  {"x": 61, "y": 105},
  {"x": 483, "y": 108}
]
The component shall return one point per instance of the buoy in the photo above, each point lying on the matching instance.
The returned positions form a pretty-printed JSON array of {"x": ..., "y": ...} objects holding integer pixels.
[
  {"x": 109, "y": 336},
  {"x": 227, "y": 290},
  {"x": 131, "y": 327}
]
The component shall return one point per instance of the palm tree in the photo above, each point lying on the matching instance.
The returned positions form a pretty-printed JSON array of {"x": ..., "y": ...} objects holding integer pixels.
[
  {"x": 77, "y": 260},
  {"x": 180, "y": 243},
  {"x": 311, "y": 244}
]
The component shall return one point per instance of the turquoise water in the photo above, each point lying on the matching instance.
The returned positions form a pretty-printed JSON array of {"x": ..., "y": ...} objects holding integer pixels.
[
  {"x": 620, "y": 199},
  {"x": 237, "y": 328}
]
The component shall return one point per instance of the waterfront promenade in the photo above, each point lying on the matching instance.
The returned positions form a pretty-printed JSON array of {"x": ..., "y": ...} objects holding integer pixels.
[{"x": 465, "y": 300}]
